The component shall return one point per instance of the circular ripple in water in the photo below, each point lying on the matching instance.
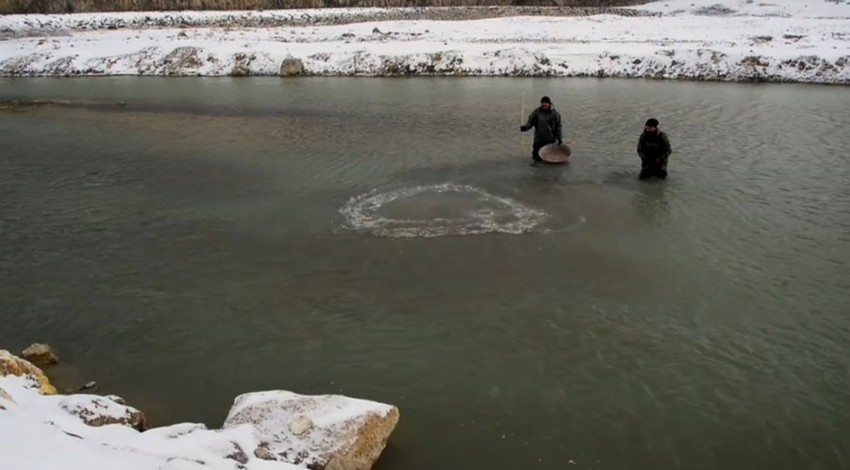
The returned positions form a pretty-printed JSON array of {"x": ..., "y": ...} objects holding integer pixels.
[{"x": 438, "y": 210}]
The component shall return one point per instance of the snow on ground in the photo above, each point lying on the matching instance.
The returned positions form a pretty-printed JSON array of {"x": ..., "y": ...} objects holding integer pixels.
[
  {"x": 93, "y": 21},
  {"x": 759, "y": 8},
  {"x": 271, "y": 430},
  {"x": 39, "y": 433},
  {"x": 741, "y": 40}
]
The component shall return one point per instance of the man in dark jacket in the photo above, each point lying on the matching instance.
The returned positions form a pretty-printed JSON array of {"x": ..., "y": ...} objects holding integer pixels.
[
  {"x": 654, "y": 149},
  {"x": 547, "y": 126}
]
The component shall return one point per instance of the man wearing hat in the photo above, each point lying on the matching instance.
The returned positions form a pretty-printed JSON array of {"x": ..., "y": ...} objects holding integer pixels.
[
  {"x": 654, "y": 149},
  {"x": 547, "y": 126}
]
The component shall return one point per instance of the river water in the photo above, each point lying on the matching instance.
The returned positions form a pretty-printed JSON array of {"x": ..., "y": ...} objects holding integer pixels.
[{"x": 388, "y": 239}]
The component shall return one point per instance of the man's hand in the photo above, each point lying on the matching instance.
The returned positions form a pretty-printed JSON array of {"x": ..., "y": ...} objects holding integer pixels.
[{"x": 523, "y": 128}]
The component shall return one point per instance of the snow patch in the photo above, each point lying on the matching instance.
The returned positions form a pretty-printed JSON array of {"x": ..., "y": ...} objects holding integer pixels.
[
  {"x": 685, "y": 39},
  {"x": 40, "y": 434}
]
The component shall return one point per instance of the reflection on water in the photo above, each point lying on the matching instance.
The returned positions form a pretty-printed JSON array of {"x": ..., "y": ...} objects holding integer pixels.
[{"x": 651, "y": 201}]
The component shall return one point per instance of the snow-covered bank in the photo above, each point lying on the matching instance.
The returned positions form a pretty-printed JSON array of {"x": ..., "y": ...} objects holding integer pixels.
[
  {"x": 736, "y": 40},
  {"x": 255, "y": 19},
  {"x": 274, "y": 430}
]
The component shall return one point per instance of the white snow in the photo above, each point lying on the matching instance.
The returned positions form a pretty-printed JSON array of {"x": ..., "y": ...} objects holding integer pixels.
[
  {"x": 763, "y": 8},
  {"x": 93, "y": 21},
  {"x": 39, "y": 434},
  {"x": 322, "y": 410},
  {"x": 780, "y": 40},
  {"x": 308, "y": 430}
]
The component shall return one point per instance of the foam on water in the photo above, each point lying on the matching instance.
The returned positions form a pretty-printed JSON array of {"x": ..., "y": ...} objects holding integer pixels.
[{"x": 490, "y": 214}]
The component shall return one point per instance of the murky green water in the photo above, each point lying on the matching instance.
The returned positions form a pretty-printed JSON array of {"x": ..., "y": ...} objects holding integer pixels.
[{"x": 197, "y": 243}]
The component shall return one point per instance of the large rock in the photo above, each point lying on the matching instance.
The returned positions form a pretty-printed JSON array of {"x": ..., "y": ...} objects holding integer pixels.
[
  {"x": 291, "y": 67},
  {"x": 183, "y": 61},
  {"x": 100, "y": 411},
  {"x": 38, "y": 433},
  {"x": 40, "y": 355},
  {"x": 318, "y": 432},
  {"x": 13, "y": 365},
  {"x": 242, "y": 64}
]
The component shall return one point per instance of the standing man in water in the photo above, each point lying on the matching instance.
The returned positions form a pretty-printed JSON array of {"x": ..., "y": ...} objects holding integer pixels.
[
  {"x": 547, "y": 127},
  {"x": 653, "y": 148}
]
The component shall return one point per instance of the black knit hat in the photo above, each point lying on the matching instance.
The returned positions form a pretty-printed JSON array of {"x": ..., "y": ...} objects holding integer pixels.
[
  {"x": 652, "y": 122},
  {"x": 545, "y": 99}
]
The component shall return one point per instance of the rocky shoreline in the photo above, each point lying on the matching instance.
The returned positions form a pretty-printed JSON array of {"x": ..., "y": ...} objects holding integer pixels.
[{"x": 263, "y": 430}]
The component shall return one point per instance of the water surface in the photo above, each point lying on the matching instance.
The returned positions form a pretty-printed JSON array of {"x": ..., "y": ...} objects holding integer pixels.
[{"x": 198, "y": 242}]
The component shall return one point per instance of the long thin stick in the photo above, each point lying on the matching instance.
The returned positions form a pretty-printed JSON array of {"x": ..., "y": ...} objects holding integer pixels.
[{"x": 522, "y": 120}]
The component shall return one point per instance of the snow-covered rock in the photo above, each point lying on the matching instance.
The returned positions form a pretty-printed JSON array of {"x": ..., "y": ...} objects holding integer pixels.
[
  {"x": 85, "y": 432},
  {"x": 100, "y": 411},
  {"x": 291, "y": 67},
  {"x": 317, "y": 431},
  {"x": 40, "y": 354},
  {"x": 38, "y": 433},
  {"x": 11, "y": 365}
]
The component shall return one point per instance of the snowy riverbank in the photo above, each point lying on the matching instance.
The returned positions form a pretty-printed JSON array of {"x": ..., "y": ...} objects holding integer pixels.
[
  {"x": 735, "y": 40},
  {"x": 274, "y": 430}
]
